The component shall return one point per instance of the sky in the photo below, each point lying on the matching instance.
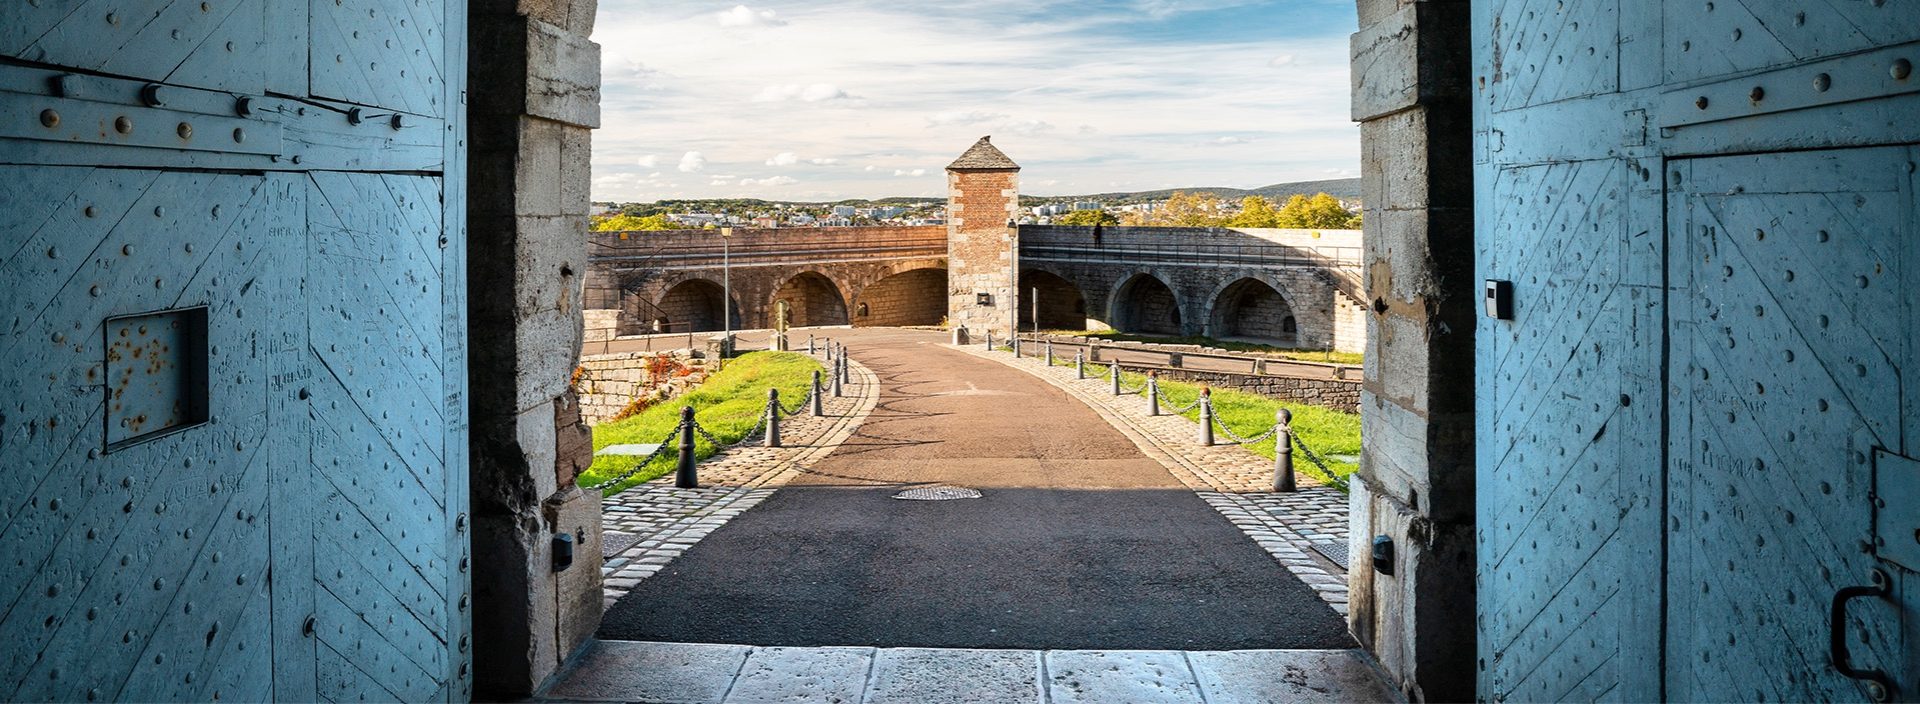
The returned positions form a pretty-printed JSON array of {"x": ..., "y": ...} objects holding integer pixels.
[{"x": 831, "y": 99}]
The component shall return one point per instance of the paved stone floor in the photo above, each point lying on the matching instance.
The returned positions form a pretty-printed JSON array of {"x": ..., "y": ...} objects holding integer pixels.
[
  {"x": 1235, "y": 482},
  {"x": 650, "y": 524},
  {"x": 697, "y": 672}
]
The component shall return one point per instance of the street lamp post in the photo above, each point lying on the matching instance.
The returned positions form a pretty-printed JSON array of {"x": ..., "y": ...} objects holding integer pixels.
[{"x": 726, "y": 291}]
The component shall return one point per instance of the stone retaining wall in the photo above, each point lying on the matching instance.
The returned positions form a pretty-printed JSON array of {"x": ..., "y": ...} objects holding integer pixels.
[
  {"x": 1326, "y": 393},
  {"x": 606, "y": 383}
]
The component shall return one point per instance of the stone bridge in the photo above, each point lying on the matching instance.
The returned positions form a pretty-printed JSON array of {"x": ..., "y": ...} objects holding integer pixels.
[
  {"x": 1295, "y": 288},
  {"x": 674, "y": 280}
]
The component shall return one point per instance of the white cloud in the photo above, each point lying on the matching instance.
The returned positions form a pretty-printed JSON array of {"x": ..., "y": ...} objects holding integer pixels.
[
  {"x": 962, "y": 117},
  {"x": 1230, "y": 139},
  {"x": 692, "y": 162},
  {"x": 1027, "y": 127},
  {"x": 1076, "y": 92},
  {"x": 783, "y": 159},
  {"x": 809, "y": 93},
  {"x": 743, "y": 16},
  {"x": 904, "y": 172},
  {"x": 720, "y": 182},
  {"x": 769, "y": 181}
]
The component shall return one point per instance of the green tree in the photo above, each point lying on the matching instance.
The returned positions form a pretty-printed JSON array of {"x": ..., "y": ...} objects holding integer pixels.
[
  {"x": 1184, "y": 209},
  {"x": 1088, "y": 218},
  {"x": 1255, "y": 211},
  {"x": 1320, "y": 212},
  {"x": 627, "y": 223}
]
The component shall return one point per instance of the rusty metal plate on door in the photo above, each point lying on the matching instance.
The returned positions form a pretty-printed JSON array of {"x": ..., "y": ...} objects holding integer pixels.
[{"x": 156, "y": 374}]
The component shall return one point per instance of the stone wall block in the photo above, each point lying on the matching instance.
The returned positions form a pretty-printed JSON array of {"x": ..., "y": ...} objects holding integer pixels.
[
  {"x": 573, "y": 440},
  {"x": 534, "y": 431},
  {"x": 563, "y": 75},
  {"x": 578, "y": 589},
  {"x": 1385, "y": 56},
  {"x": 547, "y": 305}
]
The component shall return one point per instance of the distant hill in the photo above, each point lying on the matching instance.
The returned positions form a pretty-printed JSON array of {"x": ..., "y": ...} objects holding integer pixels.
[{"x": 1344, "y": 188}]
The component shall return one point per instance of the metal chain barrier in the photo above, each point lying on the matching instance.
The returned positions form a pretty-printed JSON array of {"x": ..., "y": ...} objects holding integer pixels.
[
  {"x": 1236, "y": 437},
  {"x": 666, "y": 445},
  {"x": 1183, "y": 409},
  {"x": 1334, "y": 479},
  {"x": 709, "y": 436},
  {"x": 801, "y": 405}
]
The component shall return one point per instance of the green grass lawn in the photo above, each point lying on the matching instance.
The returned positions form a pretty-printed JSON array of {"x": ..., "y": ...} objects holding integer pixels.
[
  {"x": 728, "y": 405},
  {"x": 1327, "y": 431},
  {"x": 1289, "y": 353}
]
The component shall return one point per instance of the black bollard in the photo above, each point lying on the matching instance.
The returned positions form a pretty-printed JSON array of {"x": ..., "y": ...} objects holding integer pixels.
[
  {"x": 686, "y": 477},
  {"x": 835, "y": 372},
  {"x": 1080, "y": 365},
  {"x": 773, "y": 417},
  {"x": 1206, "y": 417},
  {"x": 846, "y": 370},
  {"x": 818, "y": 411},
  {"x": 1153, "y": 393},
  {"x": 1283, "y": 450},
  {"x": 1115, "y": 373}
]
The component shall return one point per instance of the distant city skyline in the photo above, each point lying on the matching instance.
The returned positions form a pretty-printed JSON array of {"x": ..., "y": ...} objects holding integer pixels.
[{"x": 858, "y": 99}]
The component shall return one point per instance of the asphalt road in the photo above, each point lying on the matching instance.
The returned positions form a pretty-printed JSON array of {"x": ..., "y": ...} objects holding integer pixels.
[{"x": 1077, "y": 542}]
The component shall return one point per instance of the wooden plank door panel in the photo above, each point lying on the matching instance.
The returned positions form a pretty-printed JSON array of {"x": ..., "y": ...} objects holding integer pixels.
[
  {"x": 138, "y": 572},
  {"x": 1789, "y": 339}
]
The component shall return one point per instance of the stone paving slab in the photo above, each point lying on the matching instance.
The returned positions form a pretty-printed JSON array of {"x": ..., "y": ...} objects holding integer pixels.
[
  {"x": 955, "y": 676},
  {"x": 1096, "y": 676},
  {"x": 802, "y": 676},
  {"x": 1231, "y": 479},
  {"x": 738, "y": 674},
  {"x": 1261, "y": 676},
  {"x": 664, "y": 521}
]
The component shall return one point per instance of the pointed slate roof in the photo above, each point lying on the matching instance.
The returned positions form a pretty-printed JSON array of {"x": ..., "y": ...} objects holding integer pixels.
[{"x": 983, "y": 156}]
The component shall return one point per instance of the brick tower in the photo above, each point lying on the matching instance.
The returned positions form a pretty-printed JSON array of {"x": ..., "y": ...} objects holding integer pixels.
[{"x": 983, "y": 196}]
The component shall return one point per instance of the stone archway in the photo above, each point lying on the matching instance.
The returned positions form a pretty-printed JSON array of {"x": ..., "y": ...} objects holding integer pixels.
[
  {"x": 1146, "y": 304},
  {"x": 812, "y": 299},
  {"x": 912, "y": 297},
  {"x": 694, "y": 305},
  {"x": 1250, "y": 309},
  {"x": 1062, "y": 306}
]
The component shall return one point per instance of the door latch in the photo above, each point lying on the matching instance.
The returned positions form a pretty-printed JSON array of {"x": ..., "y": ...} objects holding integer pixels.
[{"x": 1879, "y": 687}]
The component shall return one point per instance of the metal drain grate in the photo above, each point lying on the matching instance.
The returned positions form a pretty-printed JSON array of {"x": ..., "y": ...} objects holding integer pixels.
[
  {"x": 1335, "y": 551},
  {"x": 938, "y": 493},
  {"x": 612, "y": 542}
]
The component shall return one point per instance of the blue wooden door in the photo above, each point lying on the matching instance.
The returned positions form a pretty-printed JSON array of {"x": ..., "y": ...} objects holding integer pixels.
[
  {"x": 1792, "y": 363},
  {"x": 1692, "y": 429},
  {"x": 232, "y": 414}
]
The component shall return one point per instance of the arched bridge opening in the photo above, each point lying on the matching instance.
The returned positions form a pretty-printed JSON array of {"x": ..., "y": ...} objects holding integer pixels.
[
  {"x": 1145, "y": 304},
  {"x": 1058, "y": 302},
  {"x": 1249, "y": 309},
  {"x": 912, "y": 297},
  {"x": 812, "y": 299},
  {"x": 694, "y": 305}
]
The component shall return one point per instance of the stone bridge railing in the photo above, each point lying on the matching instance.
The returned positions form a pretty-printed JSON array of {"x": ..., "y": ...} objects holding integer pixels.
[
  {"x": 1335, "y": 253},
  {"x": 659, "y": 250}
]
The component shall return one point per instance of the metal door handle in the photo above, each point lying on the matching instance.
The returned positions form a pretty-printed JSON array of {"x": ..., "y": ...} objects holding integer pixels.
[{"x": 1879, "y": 687}]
